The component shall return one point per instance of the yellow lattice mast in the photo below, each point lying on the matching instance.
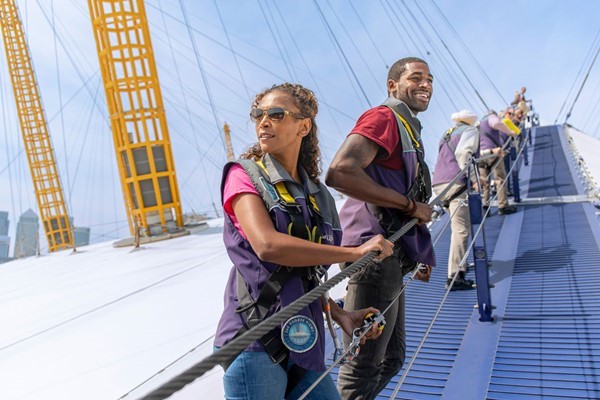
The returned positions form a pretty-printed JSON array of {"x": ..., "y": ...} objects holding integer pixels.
[
  {"x": 230, "y": 155},
  {"x": 137, "y": 115},
  {"x": 34, "y": 128}
]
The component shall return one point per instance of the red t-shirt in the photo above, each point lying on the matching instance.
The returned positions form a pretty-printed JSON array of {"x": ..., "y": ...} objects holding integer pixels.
[{"x": 379, "y": 125}]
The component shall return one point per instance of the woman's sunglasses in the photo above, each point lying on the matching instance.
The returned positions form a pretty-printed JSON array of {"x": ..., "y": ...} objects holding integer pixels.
[{"x": 274, "y": 114}]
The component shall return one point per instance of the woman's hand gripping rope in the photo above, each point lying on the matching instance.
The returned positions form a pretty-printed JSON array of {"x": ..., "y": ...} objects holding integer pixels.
[{"x": 383, "y": 247}]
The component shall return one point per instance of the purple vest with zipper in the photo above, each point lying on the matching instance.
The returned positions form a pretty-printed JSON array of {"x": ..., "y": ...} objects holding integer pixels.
[
  {"x": 489, "y": 138},
  {"x": 446, "y": 166},
  {"x": 256, "y": 272},
  {"x": 359, "y": 223}
]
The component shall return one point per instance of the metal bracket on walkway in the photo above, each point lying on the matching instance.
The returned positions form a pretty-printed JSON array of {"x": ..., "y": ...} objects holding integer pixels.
[
  {"x": 515, "y": 175},
  {"x": 535, "y": 201},
  {"x": 526, "y": 137},
  {"x": 482, "y": 277}
]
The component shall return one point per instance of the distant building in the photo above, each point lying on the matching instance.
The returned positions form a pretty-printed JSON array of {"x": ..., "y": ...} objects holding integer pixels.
[
  {"x": 3, "y": 223},
  {"x": 4, "y": 239},
  {"x": 4, "y": 246},
  {"x": 26, "y": 240},
  {"x": 82, "y": 236}
]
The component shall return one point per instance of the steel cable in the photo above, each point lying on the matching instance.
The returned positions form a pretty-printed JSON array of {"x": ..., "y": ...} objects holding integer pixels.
[
  {"x": 462, "y": 262},
  {"x": 238, "y": 344},
  {"x": 394, "y": 300}
]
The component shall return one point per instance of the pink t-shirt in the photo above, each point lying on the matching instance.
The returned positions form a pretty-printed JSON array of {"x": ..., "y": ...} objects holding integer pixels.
[{"x": 236, "y": 183}]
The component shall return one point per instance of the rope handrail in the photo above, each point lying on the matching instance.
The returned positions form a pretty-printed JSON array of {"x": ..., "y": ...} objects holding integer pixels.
[
  {"x": 402, "y": 289},
  {"x": 437, "y": 313},
  {"x": 241, "y": 342},
  {"x": 462, "y": 262},
  {"x": 238, "y": 344}
]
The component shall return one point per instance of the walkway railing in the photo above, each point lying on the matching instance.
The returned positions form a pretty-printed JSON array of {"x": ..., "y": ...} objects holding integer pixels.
[{"x": 477, "y": 243}]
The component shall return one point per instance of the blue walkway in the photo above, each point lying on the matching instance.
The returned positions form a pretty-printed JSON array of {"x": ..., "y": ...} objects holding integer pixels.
[{"x": 545, "y": 340}]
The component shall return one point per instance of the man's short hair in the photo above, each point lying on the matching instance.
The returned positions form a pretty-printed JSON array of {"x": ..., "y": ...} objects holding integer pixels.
[{"x": 398, "y": 68}]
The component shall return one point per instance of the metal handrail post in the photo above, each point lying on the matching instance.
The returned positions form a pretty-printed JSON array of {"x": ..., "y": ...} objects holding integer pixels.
[
  {"x": 482, "y": 278},
  {"x": 515, "y": 176},
  {"x": 525, "y": 141}
]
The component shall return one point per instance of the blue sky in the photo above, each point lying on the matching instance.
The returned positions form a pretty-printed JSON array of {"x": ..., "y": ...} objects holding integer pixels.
[{"x": 543, "y": 45}]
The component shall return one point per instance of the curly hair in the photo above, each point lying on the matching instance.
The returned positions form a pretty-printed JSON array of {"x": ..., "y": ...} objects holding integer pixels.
[{"x": 305, "y": 100}]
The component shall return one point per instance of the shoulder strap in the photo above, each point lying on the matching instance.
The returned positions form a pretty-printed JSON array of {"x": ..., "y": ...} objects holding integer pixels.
[
  {"x": 420, "y": 188},
  {"x": 457, "y": 130},
  {"x": 254, "y": 311}
]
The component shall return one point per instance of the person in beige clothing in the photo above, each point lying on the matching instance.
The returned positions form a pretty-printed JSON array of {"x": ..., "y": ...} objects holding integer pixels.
[{"x": 455, "y": 149}]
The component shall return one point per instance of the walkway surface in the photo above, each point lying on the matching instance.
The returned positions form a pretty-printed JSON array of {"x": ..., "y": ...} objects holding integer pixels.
[{"x": 545, "y": 339}]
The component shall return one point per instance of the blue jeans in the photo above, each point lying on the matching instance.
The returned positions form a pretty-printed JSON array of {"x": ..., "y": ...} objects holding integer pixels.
[{"x": 254, "y": 376}]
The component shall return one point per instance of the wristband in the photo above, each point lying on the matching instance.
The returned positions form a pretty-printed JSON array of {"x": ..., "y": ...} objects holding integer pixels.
[{"x": 413, "y": 209}]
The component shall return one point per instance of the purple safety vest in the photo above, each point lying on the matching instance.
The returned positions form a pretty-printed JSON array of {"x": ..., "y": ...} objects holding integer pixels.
[
  {"x": 489, "y": 138},
  {"x": 360, "y": 224},
  {"x": 256, "y": 272},
  {"x": 446, "y": 166}
]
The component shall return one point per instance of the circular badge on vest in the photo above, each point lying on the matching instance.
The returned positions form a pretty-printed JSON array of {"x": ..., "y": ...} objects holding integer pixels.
[{"x": 299, "y": 334}]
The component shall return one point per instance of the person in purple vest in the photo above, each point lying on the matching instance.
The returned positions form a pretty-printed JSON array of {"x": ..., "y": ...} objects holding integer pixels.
[
  {"x": 280, "y": 223},
  {"x": 381, "y": 167},
  {"x": 457, "y": 146},
  {"x": 491, "y": 129}
]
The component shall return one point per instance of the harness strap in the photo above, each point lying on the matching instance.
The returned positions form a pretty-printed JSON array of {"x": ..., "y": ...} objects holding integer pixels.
[
  {"x": 446, "y": 141},
  {"x": 420, "y": 187},
  {"x": 254, "y": 311},
  {"x": 462, "y": 190},
  {"x": 423, "y": 179}
]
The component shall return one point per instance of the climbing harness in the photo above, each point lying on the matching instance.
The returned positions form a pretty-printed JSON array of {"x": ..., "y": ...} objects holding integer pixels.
[
  {"x": 238, "y": 344},
  {"x": 353, "y": 348}
]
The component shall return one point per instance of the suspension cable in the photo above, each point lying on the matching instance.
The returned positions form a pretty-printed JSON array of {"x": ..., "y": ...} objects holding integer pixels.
[
  {"x": 280, "y": 46},
  {"x": 60, "y": 104},
  {"x": 475, "y": 60},
  {"x": 462, "y": 262},
  {"x": 167, "y": 366},
  {"x": 582, "y": 84},
  {"x": 453, "y": 58},
  {"x": 352, "y": 43},
  {"x": 373, "y": 43},
  {"x": 341, "y": 50},
  {"x": 75, "y": 65},
  {"x": 202, "y": 72},
  {"x": 235, "y": 59},
  {"x": 394, "y": 300},
  {"x": 312, "y": 76},
  {"x": 418, "y": 48},
  {"x": 577, "y": 77},
  {"x": 444, "y": 65}
]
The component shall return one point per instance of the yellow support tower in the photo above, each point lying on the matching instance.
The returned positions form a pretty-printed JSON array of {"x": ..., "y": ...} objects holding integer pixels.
[
  {"x": 137, "y": 116},
  {"x": 230, "y": 155},
  {"x": 34, "y": 128}
]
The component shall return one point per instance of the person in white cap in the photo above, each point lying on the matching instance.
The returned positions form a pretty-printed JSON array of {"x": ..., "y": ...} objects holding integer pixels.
[{"x": 457, "y": 145}]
